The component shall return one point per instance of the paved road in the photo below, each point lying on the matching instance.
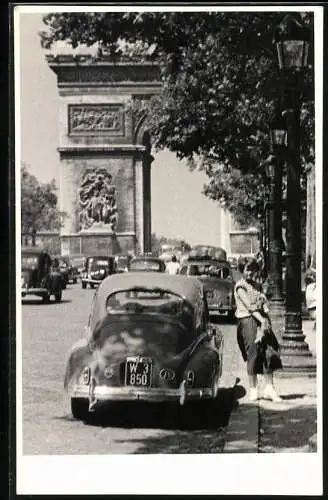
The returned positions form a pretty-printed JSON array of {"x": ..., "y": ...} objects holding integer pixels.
[{"x": 48, "y": 331}]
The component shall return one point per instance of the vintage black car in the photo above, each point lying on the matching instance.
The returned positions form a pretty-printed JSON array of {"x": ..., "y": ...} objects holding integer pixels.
[
  {"x": 122, "y": 262},
  {"x": 38, "y": 276},
  {"x": 62, "y": 264},
  {"x": 97, "y": 268},
  {"x": 147, "y": 263},
  {"x": 217, "y": 277},
  {"x": 78, "y": 266},
  {"x": 148, "y": 339}
]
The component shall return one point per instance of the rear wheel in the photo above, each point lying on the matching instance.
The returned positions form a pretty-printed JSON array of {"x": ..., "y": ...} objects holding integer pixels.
[
  {"x": 75, "y": 281},
  {"x": 92, "y": 285},
  {"x": 84, "y": 285},
  {"x": 46, "y": 298},
  {"x": 231, "y": 316},
  {"x": 79, "y": 408},
  {"x": 58, "y": 296}
]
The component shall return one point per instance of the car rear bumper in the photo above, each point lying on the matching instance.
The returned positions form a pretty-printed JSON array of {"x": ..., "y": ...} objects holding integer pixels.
[
  {"x": 90, "y": 280},
  {"x": 35, "y": 291},
  {"x": 103, "y": 393},
  {"x": 220, "y": 310}
]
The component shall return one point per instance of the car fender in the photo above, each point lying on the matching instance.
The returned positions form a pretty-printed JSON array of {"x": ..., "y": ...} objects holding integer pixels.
[
  {"x": 55, "y": 280},
  {"x": 79, "y": 356}
]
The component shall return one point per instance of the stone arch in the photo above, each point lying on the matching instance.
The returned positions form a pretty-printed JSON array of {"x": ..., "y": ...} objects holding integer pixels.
[{"x": 103, "y": 125}]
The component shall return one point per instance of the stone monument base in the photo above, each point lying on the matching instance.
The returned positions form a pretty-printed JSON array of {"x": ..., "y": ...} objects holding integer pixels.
[{"x": 98, "y": 243}]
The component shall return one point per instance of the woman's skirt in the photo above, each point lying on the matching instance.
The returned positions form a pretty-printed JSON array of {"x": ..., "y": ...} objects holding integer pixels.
[{"x": 261, "y": 357}]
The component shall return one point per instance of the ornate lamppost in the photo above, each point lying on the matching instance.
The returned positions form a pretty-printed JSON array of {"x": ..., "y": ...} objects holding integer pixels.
[
  {"x": 274, "y": 166},
  {"x": 292, "y": 43}
]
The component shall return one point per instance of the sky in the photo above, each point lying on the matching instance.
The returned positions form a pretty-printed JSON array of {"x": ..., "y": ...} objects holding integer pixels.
[{"x": 189, "y": 215}]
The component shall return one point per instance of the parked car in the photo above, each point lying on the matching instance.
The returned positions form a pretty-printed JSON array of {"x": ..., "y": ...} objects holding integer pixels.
[
  {"x": 96, "y": 269},
  {"x": 38, "y": 277},
  {"x": 148, "y": 338},
  {"x": 147, "y": 263},
  {"x": 62, "y": 265},
  {"x": 78, "y": 264},
  {"x": 217, "y": 277},
  {"x": 122, "y": 262}
]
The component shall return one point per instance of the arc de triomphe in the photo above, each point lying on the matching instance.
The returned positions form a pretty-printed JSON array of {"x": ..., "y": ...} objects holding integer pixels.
[{"x": 104, "y": 151}]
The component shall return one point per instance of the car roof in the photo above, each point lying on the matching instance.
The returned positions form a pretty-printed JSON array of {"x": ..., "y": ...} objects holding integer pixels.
[
  {"x": 33, "y": 251},
  {"x": 188, "y": 287},
  {"x": 211, "y": 262},
  {"x": 146, "y": 257},
  {"x": 100, "y": 257}
]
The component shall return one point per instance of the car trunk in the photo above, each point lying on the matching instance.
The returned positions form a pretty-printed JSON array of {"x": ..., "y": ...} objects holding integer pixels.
[
  {"x": 162, "y": 341},
  {"x": 30, "y": 277},
  {"x": 217, "y": 289}
]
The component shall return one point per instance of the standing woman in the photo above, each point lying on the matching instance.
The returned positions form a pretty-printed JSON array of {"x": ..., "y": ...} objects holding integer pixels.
[{"x": 257, "y": 342}]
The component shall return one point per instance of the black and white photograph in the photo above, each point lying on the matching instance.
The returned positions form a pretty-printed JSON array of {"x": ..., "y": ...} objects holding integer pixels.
[{"x": 168, "y": 166}]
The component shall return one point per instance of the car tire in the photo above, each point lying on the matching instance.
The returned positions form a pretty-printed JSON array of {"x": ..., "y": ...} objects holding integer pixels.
[
  {"x": 74, "y": 281},
  {"x": 79, "y": 408},
  {"x": 58, "y": 296},
  {"x": 46, "y": 299},
  {"x": 231, "y": 317},
  {"x": 92, "y": 285},
  {"x": 84, "y": 285}
]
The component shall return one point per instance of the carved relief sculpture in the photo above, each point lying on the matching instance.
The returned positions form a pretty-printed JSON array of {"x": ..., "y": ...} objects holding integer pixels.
[
  {"x": 97, "y": 200},
  {"x": 102, "y": 118}
]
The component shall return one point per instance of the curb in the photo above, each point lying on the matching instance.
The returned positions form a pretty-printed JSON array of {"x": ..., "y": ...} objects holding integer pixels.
[{"x": 243, "y": 429}]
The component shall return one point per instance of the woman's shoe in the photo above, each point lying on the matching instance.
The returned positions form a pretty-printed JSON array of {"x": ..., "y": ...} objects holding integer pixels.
[
  {"x": 253, "y": 395},
  {"x": 271, "y": 394}
]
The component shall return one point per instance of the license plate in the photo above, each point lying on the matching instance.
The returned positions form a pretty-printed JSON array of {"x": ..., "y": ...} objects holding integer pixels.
[{"x": 138, "y": 372}]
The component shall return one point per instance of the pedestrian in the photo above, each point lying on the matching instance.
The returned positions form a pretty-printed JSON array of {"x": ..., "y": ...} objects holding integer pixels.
[
  {"x": 173, "y": 267},
  {"x": 256, "y": 340},
  {"x": 310, "y": 295}
]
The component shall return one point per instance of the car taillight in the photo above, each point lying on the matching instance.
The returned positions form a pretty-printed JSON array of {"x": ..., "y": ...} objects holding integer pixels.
[
  {"x": 190, "y": 377},
  {"x": 108, "y": 372},
  {"x": 85, "y": 375},
  {"x": 167, "y": 374}
]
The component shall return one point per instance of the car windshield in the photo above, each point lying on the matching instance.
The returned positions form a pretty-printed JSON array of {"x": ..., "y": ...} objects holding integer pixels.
[
  {"x": 77, "y": 261},
  {"x": 122, "y": 261},
  {"x": 212, "y": 270},
  {"x": 137, "y": 300},
  {"x": 98, "y": 263},
  {"x": 29, "y": 260},
  {"x": 145, "y": 265}
]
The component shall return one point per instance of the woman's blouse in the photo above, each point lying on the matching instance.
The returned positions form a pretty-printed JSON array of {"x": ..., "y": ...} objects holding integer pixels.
[{"x": 248, "y": 299}]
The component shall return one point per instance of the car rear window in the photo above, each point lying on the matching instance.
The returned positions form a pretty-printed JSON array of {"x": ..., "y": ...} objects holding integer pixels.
[
  {"x": 212, "y": 270},
  {"x": 142, "y": 265},
  {"x": 139, "y": 300},
  {"x": 29, "y": 260}
]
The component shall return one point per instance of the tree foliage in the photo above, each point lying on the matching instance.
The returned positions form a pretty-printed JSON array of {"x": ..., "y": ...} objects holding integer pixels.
[
  {"x": 221, "y": 88},
  {"x": 39, "y": 210}
]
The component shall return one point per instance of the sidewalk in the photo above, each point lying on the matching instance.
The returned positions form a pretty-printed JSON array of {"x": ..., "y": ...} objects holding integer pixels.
[{"x": 289, "y": 426}]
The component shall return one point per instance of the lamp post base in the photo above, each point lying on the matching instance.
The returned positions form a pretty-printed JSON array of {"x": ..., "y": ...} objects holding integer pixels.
[
  {"x": 295, "y": 353},
  {"x": 277, "y": 308}
]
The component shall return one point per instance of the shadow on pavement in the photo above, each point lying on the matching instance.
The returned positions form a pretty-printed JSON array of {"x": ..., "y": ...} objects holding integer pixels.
[
  {"x": 288, "y": 430},
  {"x": 192, "y": 416},
  {"x": 288, "y": 397},
  {"x": 242, "y": 436},
  {"x": 196, "y": 441}
]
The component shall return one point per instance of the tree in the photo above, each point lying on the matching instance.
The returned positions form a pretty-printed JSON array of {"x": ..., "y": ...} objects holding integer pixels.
[
  {"x": 38, "y": 206},
  {"x": 221, "y": 86}
]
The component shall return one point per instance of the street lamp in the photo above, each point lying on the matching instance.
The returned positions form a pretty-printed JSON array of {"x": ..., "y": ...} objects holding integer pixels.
[
  {"x": 274, "y": 165},
  {"x": 292, "y": 43}
]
